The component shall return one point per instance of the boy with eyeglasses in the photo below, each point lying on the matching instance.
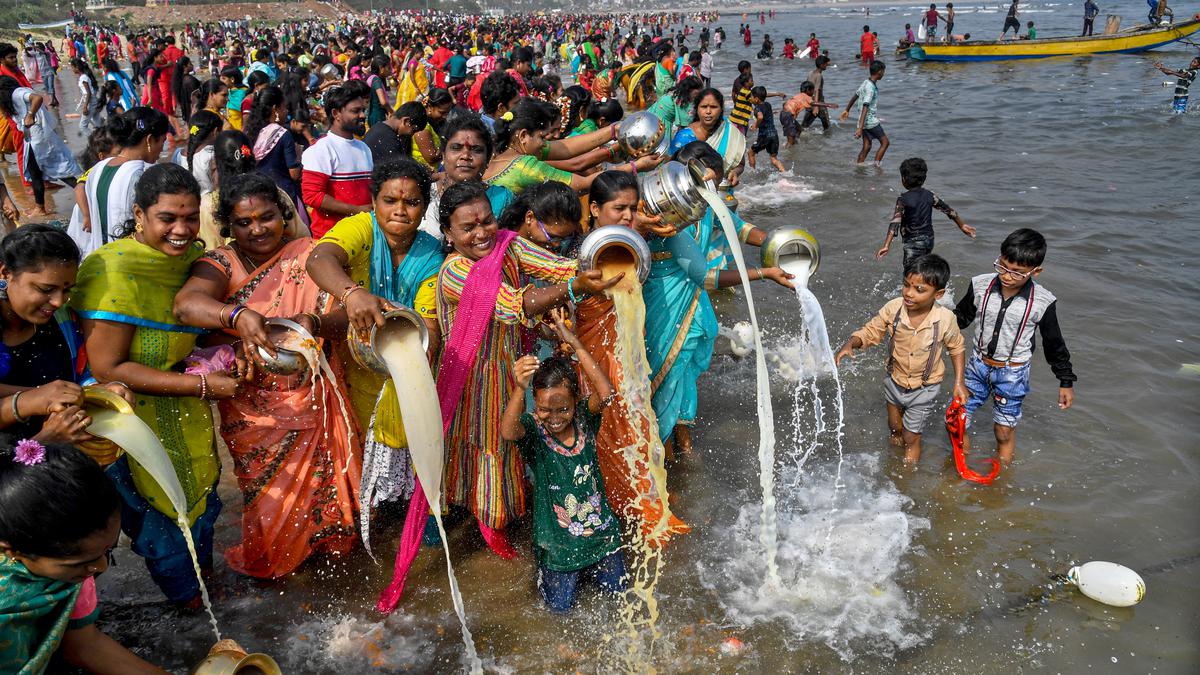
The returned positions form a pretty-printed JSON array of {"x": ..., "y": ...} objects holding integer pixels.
[{"x": 1010, "y": 306}]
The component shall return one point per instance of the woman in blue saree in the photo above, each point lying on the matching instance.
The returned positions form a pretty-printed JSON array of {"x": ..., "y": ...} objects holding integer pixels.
[{"x": 681, "y": 326}]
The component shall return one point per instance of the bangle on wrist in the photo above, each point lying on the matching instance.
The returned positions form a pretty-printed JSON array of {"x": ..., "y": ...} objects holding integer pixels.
[
  {"x": 613, "y": 132},
  {"x": 316, "y": 319},
  {"x": 17, "y": 415},
  {"x": 203, "y": 387},
  {"x": 571, "y": 292},
  {"x": 347, "y": 293},
  {"x": 233, "y": 316},
  {"x": 633, "y": 166}
]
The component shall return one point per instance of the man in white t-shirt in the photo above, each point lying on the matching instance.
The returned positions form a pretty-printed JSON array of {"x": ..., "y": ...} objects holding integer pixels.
[{"x": 337, "y": 168}]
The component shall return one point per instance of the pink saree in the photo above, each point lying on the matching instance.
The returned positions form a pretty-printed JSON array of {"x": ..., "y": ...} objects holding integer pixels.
[{"x": 297, "y": 457}]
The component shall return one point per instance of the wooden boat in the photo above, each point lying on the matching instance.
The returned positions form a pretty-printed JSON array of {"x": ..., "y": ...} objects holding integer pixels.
[{"x": 1132, "y": 40}]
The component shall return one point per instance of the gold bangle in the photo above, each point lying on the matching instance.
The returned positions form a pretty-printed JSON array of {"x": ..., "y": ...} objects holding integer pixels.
[{"x": 346, "y": 294}]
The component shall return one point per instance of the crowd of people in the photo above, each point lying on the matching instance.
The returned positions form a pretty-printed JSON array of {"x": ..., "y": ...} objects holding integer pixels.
[{"x": 327, "y": 172}]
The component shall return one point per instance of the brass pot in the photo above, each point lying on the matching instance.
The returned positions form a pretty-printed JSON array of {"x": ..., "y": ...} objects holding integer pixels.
[
  {"x": 791, "y": 248},
  {"x": 364, "y": 348},
  {"x": 615, "y": 243},
  {"x": 95, "y": 398},
  {"x": 228, "y": 658}
]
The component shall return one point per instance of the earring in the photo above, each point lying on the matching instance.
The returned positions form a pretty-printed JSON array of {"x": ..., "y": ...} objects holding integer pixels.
[
  {"x": 3, "y": 289},
  {"x": 137, "y": 227}
]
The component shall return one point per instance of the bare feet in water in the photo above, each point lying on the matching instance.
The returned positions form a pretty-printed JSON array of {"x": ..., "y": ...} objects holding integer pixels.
[{"x": 683, "y": 439}]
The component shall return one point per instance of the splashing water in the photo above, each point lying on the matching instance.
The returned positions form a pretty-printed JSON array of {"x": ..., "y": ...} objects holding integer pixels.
[
  {"x": 843, "y": 532},
  {"x": 779, "y": 190},
  {"x": 840, "y": 553}
]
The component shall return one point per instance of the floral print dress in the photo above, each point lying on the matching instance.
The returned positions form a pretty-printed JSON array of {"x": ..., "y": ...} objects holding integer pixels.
[{"x": 573, "y": 526}]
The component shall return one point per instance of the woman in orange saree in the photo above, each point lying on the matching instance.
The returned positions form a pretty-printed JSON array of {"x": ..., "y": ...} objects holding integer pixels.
[
  {"x": 296, "y": 449},
  {"x": 628, "y": 434}
]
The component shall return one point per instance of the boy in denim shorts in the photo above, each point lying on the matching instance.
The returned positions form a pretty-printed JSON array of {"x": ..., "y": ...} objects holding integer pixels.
[
  {"x": 917, "y": 330},
  {"x": 1010, "y": 306},
  {"x": 912, "y": 218}
]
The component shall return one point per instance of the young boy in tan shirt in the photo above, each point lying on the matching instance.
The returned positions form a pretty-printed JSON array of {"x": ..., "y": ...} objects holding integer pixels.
[{"x": 917, "y": 330}]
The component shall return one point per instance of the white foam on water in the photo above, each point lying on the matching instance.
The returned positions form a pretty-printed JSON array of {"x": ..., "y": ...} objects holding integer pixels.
[
  {"x": 352, "y": 644},
  {"x": 778, "y": 190},
  {"x": 840, "y": 554},
  {"x": 842, "y": 531}
]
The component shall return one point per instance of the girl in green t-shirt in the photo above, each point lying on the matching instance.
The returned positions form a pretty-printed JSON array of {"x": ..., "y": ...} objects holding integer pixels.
[{"x": 574, "y": 529}]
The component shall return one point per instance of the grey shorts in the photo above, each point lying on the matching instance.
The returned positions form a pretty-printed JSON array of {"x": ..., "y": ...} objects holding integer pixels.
[{"x": 916, "y": 404}]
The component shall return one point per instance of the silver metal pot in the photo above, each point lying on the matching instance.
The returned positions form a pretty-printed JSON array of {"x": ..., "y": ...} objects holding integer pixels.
[
  {"x": 615, "y": 243},
  {"x": 672, "y": 192},
  {"x": 793, "y": 249},
  {"x": 364, "y": 349},
  {"x": 330, "y": 72},
  {"x": 285, "y": 361},
  {"x": 641, "y": 134}
]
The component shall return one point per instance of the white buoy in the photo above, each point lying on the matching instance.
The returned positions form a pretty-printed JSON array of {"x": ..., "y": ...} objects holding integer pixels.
[{"x": 1109, "y": 583}]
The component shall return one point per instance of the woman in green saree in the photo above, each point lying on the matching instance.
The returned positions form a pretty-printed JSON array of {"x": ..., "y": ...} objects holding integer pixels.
[{"x": 124, "y": 297}]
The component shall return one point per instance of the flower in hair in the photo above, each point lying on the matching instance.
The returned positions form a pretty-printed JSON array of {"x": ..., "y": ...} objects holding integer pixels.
[
  {"x": 194, "y": 130},
  {"x": 29, "y": 452},
  {"x": 507, "y": 117}
]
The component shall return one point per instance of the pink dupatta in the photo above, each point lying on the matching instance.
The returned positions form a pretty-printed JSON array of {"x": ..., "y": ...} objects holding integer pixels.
[{"x": 476, "y": 309}]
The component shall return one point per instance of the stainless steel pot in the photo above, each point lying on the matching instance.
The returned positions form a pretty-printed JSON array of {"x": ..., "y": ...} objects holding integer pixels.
[
  {"x": 615, "y": 244},
  {"x": 641, "y": 134},
  {"x": 793, "y": 249},
  {"x": 364, "y": 349},
  {"x": 285, "y": 361},
  {"x": 672, "y": 192}
]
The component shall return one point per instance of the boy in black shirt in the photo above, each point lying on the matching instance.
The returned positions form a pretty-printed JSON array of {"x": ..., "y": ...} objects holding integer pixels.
[
  {"x": 913, "y": 216},
  {"x": 768, "y": 137}
]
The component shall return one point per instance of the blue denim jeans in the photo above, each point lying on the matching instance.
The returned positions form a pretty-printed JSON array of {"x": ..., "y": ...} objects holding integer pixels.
[
  {"x": 559, "y": 588},
  {"x": 1006, "y": 386}
]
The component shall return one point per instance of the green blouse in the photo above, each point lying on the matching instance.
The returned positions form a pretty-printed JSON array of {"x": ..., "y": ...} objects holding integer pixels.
[{"x": 527, "y": 171}]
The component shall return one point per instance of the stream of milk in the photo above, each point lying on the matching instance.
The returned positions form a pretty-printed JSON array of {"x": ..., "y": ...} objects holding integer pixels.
[
  {"x": 768, "y": 533},
  {"x": 130, "y": 433},
  {"x": 422, "y": 415}
]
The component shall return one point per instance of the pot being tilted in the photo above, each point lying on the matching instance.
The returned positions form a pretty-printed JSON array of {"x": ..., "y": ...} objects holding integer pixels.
[
  {"x": 364, "y": 348},
  {"x": 672, "y": 192},
  {"x": 615, "y": 245}
]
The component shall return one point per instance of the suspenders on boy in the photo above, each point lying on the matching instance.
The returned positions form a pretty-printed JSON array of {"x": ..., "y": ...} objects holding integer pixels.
[
  {"x": 934, "y": 349},
  {"x": 987, "y": 294}
]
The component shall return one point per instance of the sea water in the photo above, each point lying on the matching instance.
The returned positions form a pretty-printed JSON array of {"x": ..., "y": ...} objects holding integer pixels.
[
  {"x": 422, "y": 414},
  {"x": 137, "y": 440}
]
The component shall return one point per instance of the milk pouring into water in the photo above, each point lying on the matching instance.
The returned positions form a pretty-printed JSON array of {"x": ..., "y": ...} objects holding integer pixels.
[
  {"x": 139, "y": 442},
  {"x": 768, "y": 532},
  {"x": 639, "y": 612},
  {"x": 408, "y": 366}
]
